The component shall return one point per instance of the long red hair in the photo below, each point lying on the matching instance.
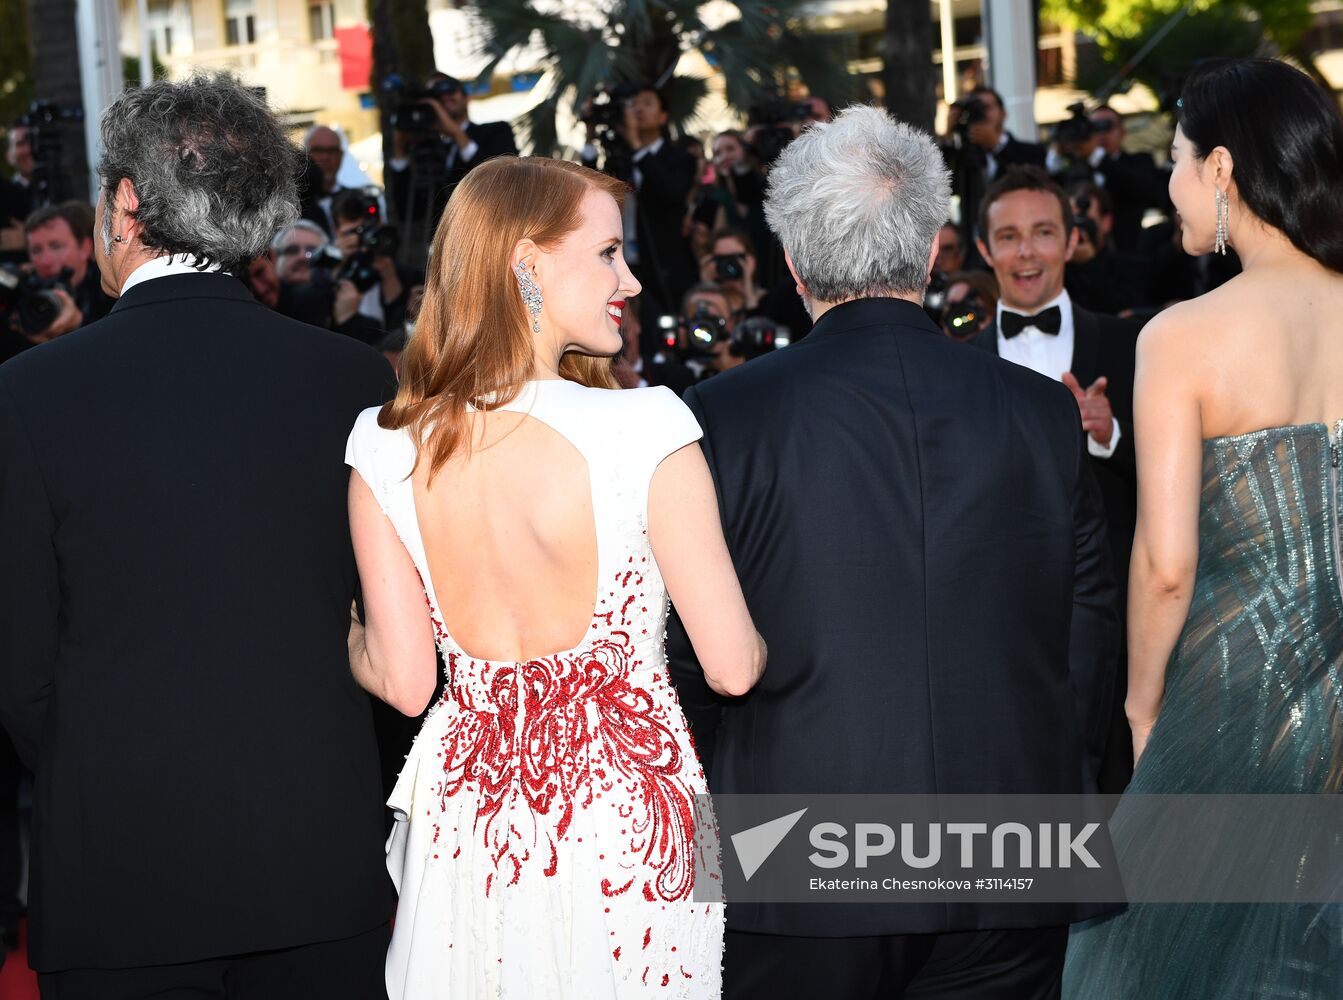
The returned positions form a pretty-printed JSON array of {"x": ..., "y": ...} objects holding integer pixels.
[{"x": 473, "y": 342}]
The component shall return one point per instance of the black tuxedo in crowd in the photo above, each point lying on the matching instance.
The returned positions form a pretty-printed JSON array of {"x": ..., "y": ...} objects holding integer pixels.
[
  {"x": 1105, "y": 345},
  {"x": 1135, "y": 185},
  {"x": 920, "y": 542},
  {"x": 1016, "y": 154},
  {"x": 665, "y": 268},
  {"x": 492, "y": 139},
  {"x": 175, "y": 599}
]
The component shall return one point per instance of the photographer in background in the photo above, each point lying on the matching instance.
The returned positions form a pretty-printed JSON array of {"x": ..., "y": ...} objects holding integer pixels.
[
  {"x": 445, "y": 144},
  {"x": 368, "y": 252},
  {"x": 16, "y": 196},
  {"x": 630, "y": 127},
  {"x": 60, "y": 291},
  {"x": 731, "y": 265},
  {"x": 1133, "y": 180},
  {"x": 1098, "y": 277},
  {"x": 978, "y": 149}
]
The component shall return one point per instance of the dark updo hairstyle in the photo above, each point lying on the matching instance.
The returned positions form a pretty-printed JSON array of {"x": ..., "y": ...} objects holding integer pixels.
[{"x": 1285, "y": 136}]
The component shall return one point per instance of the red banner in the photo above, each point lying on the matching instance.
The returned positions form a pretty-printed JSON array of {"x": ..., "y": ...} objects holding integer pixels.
[{"x": 355, "y": 48}]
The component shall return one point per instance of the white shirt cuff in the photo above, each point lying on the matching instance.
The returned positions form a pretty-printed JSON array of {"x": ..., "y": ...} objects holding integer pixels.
[
  {"x": 1105, "y": 450},
  {"x": 469, "y": 153},
  {"x": 398, "y": 163}
]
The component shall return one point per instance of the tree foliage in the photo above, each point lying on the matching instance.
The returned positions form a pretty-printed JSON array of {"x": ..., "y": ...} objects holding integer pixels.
[
  {"x": 16, "y": 61},
  {"x": 1210, "y": 28},
  {"x": 758, "y": 52}
]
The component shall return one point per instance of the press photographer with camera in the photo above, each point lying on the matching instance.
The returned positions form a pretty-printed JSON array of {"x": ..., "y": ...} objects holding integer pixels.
[
  {"x": 629, "y": 124},
  {"x": 16, "y": 196},
  {"x": 58, "y": 291},
  {"x": 1099, "y": 277},
  {"x": 435, "y": 144},
  {"x": 731, "y": 265},
  {"x": 368, "y": 265},
  {"x": 1134, "y": 181},
  {"x": 978, "y": 149}
]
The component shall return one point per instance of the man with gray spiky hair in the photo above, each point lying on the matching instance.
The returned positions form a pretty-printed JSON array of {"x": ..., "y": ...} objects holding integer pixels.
[
  {"x": 175, "y": 593},
  {"x": 921, "y": 544}
]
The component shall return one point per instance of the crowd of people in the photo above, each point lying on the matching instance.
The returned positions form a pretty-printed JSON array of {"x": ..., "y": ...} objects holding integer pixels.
[{"x": 183, "y": 569}]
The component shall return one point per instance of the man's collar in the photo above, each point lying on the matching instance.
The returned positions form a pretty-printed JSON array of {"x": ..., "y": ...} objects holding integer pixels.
[{"x": 161, "y": 267}]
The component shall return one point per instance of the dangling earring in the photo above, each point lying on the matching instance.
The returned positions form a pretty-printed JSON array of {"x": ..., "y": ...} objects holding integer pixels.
[
  {"x": 1223, "y": 220},
  {"x": 531, "y": 294}
]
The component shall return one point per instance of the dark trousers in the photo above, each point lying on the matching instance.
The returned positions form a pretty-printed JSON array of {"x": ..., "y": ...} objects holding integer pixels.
[
  {"x": 349, "y": 969},
  {"x": 972, "y": 965}
]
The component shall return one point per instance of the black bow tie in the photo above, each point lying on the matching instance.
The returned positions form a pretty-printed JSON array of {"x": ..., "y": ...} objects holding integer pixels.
[{"x": 1049, "y": 321}]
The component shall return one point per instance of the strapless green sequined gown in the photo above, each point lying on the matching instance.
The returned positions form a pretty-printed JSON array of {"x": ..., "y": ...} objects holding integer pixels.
[{"x": 1253, "y": 705}]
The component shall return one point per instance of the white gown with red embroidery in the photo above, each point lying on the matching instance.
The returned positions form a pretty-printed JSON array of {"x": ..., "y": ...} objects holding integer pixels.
[{"x": 545, "y": 840}]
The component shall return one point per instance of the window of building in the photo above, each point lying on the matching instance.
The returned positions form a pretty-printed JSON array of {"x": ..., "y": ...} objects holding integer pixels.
[
  {"x": 321, "y": 21},
  {"x": 240, "y": 22}
]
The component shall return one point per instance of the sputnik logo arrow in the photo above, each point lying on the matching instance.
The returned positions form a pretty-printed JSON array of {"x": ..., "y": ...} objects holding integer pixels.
[{"x": 754, "y": 846}]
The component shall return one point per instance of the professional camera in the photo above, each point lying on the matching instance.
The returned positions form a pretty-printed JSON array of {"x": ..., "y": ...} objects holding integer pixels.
[
  {"x": 973, "y": 112},
  {"x": 703, "y": 330},
  {"x": 42, "y": 114},
  {"x": 773, "y": 120},
  {"x": 1083, "y": 220},
  {"x": 757, "y": 336},
  {"x": 729, "y": 266},
  {"x": 606, "y": 110},
  {"x": 408, "y": 113},
  {"x": 962, "y": 319},
  {"x": 1079, "y": 126},
  {"x": 374, "y": 241},
  {"x": 32, "y": 298},
  {"x": 43, "y": 120},
  {"x": 935, "y": 296}
]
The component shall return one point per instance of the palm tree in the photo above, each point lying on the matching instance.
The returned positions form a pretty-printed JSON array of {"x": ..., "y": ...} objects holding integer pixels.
[{"x": 604, "y": 42}]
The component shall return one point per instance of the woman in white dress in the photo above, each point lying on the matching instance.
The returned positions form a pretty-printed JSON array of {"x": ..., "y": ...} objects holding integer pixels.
[{"x": 516, "y": 511}]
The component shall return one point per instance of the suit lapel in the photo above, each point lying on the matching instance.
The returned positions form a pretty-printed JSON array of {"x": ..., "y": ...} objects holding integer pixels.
[{"x": 1086, "y": 346}]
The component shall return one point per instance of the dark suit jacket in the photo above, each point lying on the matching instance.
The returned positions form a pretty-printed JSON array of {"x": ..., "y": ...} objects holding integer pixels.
[
  {"x": 1017, "y": 153},
  {"x": 492, "y": 138},
  {"x": 174, "y": 603},
  {"x": 665, "y": 267},
  {"x": 1105, "y": 345},
  {"x": 1135, "y": 185},
  {"x": 881, "y": 486}
]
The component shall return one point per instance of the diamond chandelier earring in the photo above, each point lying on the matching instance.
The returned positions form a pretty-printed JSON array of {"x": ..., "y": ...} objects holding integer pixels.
[
  {"x": 531, "y": 294},
  {"x": 1223, "y": 220}
]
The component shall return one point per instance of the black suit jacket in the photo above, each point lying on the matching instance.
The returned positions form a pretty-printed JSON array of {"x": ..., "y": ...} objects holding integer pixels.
[
  {"x": 1135, "y": 185},
  {"x": 881, "y": 487},
  {"x": 174, "y": 603},
  {"x": 665, "y": 267},
  {"x": 1105, "y": 345},
  {"x": 1017, "y": 153}
]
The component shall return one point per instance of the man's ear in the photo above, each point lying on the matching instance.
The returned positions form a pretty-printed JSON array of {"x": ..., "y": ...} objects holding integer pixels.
[
  {"x": 788, "y": 259},
  {"x": 932, "y": 258},
  {"x": 984, "y": 252},
  {"x": 1073, "y": 237}
]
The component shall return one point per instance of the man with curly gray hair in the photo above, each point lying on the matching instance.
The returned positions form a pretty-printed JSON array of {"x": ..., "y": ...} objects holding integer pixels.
[
  {"x": 921, "y": 545},
  {"x": 176, "y": 588}
]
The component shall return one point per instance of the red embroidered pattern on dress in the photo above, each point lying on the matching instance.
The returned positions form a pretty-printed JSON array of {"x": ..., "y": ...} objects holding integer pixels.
[{"x": 534, "y": 741}]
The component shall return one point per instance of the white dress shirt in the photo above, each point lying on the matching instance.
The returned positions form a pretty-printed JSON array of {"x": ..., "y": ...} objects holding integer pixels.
[
  {"x": 161, "y": 267},
  {"x": 1051, "y": 355}
]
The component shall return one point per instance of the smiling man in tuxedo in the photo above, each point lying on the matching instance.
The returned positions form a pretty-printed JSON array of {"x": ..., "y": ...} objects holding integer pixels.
[{"x": 1027, "y": 235}]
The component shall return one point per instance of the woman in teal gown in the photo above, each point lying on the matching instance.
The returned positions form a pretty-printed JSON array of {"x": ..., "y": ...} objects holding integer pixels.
[{"x": 1235, "y": 607}]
